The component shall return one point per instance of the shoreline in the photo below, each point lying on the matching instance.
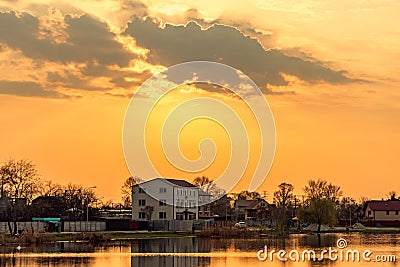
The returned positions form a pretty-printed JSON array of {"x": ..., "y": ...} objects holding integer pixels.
[{"x": 106, "y": 236}]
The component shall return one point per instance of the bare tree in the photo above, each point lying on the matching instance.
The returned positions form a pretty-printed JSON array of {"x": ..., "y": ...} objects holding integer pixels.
[
  {"x": 76, "y": 198},
  {"x": 50, "y": 189},
  {"x": 208, "y": 185},
  {"x": 126, "y": 190},
  {"x": 283, "y": 198},
  {"x": 247, "y": 195},
  {"x": 19, "y": 185},
  {"x": 318, "y": 189}
]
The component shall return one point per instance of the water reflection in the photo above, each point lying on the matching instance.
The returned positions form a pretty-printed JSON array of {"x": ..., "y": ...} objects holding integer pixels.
[
  {"x": 193, "y": 251},
  {"x": 168, "y": 245}
]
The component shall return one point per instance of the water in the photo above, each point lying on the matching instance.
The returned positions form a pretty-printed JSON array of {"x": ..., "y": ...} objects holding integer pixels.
[{"x": 188, "y": 251}]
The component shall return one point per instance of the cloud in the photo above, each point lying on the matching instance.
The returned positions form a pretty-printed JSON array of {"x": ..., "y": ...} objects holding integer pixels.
[
  {"x": 115, "y": 78},
  {"x": 173, "y": 44},
  {"x": 100, "y": 62},
  {"x": 88, "y": 39},
  {"x": 28, "y": 89}
]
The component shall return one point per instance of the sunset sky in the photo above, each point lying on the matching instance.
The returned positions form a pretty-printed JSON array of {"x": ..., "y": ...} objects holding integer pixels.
[{"x": 329, "y": 70}]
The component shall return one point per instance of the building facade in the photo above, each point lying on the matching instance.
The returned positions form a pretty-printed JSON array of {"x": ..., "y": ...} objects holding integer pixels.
[
  {"x": 251, "y": 209},
  {"x": 165, "y": 199},
  {"x": 382, "y": 213}
]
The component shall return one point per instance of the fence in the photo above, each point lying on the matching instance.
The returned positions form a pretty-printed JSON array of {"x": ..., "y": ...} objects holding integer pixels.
[
  {"x": 163, "y": 225},
  {"x": 82, "y": 226},
  {"x": 22, "y": 226}
]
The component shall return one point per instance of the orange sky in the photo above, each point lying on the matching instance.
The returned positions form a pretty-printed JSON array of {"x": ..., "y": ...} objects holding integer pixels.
[{"x": 337, "y": 114}]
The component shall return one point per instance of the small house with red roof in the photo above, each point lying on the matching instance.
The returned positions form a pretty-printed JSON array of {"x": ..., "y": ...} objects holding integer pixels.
[{"x": 384, "y": 213}]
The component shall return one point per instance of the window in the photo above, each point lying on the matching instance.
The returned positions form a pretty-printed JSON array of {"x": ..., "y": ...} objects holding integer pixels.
[
  {"x": 163, "y": 190},
  {"x": 162, "y": 215},
  {"x": 162, "y": 202},
  {"x": 142, "y": 215},
  {"x": 387, "y": 212},
  {"x": 142, "y": 202},
  {"x": 369, "y": 212},
  {"x": 179, "y": 216},
  {"x": 397, "y": 212},
  {"x": 141, "y": 190},
  {"x": 262, "y": 204},
  {"x": 192, "y": 216},
  {"x": 179, "y": 203}
]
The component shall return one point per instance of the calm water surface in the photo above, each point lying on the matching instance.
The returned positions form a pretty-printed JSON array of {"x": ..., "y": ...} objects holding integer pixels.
[{"x": 200, "y": 252}]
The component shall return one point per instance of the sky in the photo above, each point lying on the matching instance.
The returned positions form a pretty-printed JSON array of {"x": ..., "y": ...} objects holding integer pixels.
[{"x": 328, "y": 69}]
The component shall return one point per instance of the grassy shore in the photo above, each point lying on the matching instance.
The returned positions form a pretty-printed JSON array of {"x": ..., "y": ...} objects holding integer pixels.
[
  {"x": 92, "y": 237},
  {"x": 220, "y": 232}
]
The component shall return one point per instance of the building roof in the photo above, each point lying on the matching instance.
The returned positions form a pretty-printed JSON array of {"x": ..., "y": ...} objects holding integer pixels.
[
  {"x": 383, "y": 204},
  {"x": 182, "y": 183},
  {"x": 172, "y": 182},
  {"x": 203, "y": 193},
  {"x": 249, "y": 204},
  {"x": 254, "y": 203},
  {"x": 242, "y": 203}
]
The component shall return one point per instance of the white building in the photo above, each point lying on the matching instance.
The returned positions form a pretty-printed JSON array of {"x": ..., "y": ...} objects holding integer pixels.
[{"x": 165, "y": 199}]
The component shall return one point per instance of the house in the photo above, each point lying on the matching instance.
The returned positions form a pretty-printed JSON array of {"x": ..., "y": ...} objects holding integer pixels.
[
  {"x": 165, "y": 199},
  {"x": 382, "y": 213},
  {"x": 251, "y": 209},
  {"x": 47, "y": 206}
]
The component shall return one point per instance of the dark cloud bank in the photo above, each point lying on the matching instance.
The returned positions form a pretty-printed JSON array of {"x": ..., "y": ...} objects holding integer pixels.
[{"x": 90, "y": 41}]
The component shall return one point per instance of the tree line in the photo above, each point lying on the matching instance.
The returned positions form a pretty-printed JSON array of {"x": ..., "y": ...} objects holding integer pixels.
[{"x": 25, "y": 195}]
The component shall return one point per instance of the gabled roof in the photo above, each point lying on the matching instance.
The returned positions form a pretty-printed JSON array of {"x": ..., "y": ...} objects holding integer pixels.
[
  {"x": 242, "y": 203},
  {"x": 172, "y": 182},
  {"x": 383, "y": 204},
  {"x": 249, "y": 204},
  {"x": 254, "y": 203},
  {"x": 182, "y": 183}
]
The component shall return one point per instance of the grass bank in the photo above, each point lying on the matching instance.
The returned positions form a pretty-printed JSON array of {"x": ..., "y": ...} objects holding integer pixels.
[{"x": 91, "y": 237}]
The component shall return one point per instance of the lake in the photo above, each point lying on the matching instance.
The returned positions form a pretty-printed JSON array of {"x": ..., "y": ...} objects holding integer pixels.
[{"x": 188, "y": 251}]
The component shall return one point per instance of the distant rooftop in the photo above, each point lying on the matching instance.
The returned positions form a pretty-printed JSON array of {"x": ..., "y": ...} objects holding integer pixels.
[
  {"x": 177, "y": 182},
  {"x": 384, "y": 204},
  {"x": 182, "y": 183}
]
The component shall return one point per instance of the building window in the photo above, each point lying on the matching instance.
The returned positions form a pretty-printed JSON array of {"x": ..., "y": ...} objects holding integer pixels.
[
  {"x": 192, "y": 216},
  {"x": 179, "y": 203},
  {"x": 142, "y": 215},
  {"x": 162, "y": 215},
  {"x": 162, "y": 202},
  {"x": 369, "y": 213},
  {"x": 387, "y": 212},
  {"x": 141, "y": 190},
  {"x": 397, "y": 212},
  {"x": 142, "y": 202},
  {"x": 163, "y": 190},
  {"x": 179, "y": 215},
  {"x": 262, "y": 204}
]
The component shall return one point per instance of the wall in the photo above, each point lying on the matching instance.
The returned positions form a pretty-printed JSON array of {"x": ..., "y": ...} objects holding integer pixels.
[
  {"x": 83, "y": 226},
  {"x": 27, "y": 226}
]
